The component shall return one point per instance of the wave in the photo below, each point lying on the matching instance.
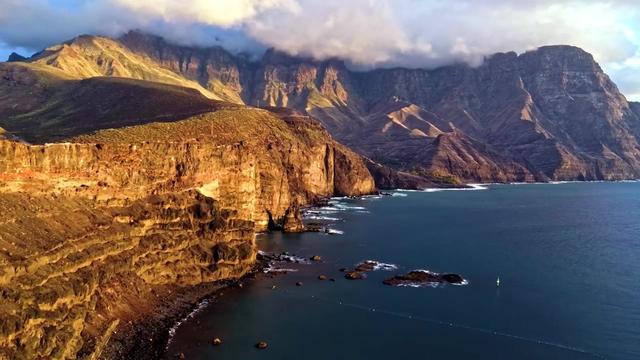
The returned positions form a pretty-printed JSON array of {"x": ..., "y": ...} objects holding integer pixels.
[
  {"x": 342, "y": 206},
  {"x": 420, "y": 285},
  {"x": 321, "y": 217},
  {"x": 327, "y": 208},
  {"x": 560, "y": 182},
  {"x": 272, "y": 269},
  {"x": 472, "y": 187},
  {"x": 331, "y": 231},
  {"x": 378, "y": 265},
  {"x": 283, "y": 258},
  {"x": 172, "y": 331},
  {"x": 320, "y": 211},
  {"x": 463, "y": 283}
]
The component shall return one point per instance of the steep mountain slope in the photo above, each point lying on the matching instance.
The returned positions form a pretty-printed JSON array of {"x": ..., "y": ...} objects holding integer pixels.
[
  {"x": 227, "y": 76},
  {"x": 546, "y": 114},
  {"x": 91, "y": 56},
  {"x": 40, "y": 103}
]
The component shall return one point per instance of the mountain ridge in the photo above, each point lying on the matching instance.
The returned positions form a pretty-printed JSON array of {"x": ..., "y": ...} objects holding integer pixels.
[{"x": 546, "y": 114}]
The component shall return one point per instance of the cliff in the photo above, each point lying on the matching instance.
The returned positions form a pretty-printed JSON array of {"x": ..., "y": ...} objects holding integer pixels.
[
  {"x": 99, "y": 232},
  {"x": 548, "y": 114}
]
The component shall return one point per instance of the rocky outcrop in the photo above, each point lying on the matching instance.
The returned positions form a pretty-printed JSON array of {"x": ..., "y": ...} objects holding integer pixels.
[
  {"x": 546, "y": 114},
  {"x": 96, "y": 232},
  {"x": 227, "y": 76},
  {"x": 419, "y": 278},
  {"x": 16, "y": 57},
  {"x": 387, "y": 178},
  {"x": 91, "y": 56}
]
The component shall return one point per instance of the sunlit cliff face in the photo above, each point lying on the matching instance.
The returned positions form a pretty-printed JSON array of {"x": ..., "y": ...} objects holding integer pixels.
[{"x": 367, "y": 33}]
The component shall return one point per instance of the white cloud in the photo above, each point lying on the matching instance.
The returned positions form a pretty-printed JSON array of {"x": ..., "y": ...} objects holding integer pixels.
[
  {"x": 417, "y": 33},
  {"x": 213, "y": 12}
]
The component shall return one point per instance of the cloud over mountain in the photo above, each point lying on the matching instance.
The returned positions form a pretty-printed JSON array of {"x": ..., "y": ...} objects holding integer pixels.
[{"x": 368, "y": 33}]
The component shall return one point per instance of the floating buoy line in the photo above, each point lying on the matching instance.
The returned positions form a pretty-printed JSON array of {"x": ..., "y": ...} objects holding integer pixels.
[{"x": 448, "y": 324}]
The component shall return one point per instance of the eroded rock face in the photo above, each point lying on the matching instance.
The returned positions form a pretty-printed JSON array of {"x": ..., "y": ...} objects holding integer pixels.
[
  {"x": 97, "y": 231},
  {"x": 548, "y": 114}
]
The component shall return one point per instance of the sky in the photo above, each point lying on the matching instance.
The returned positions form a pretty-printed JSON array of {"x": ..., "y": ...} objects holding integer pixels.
[{"x": 366, "y": 33}]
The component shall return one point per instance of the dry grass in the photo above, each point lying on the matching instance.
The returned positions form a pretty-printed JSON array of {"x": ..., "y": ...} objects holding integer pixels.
[{"x": 227, "y": 126}]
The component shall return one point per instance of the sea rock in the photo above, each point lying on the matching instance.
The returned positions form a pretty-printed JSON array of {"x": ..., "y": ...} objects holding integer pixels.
[
  {"x": 366, "y": 266},
  {"x": 316, "y": 258},
  {"x": 354, "y": 275},
  {"x": 322, "y": 277},
  {"x": 216, "y": 341},
  {"x": 422, "y": 277},
  {"x": 452, "y": 278}
]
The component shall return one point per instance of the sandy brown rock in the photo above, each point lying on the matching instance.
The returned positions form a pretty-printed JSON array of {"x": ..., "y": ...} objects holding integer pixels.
[{"x": 94, "y": 230}]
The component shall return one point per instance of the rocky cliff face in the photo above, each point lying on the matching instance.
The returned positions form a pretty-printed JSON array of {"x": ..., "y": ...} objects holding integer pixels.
[
  {"x": 148, "y": 187},
  {"x": 97, "y": 232},
  {"x": 548, "y": 114}
]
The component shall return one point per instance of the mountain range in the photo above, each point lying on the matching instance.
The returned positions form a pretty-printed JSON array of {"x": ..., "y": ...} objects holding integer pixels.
[
  {"x": 547, "y": 114},
  {"x": 134, "y": 173}
]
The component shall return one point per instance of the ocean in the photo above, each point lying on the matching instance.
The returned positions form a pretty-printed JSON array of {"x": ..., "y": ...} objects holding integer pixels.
[{"x": 567, "y": 256}]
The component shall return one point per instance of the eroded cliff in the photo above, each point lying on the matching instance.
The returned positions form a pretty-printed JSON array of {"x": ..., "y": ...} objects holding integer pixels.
[
  {"x": 96, "y": 232},
  {"x": 547, "y": 114}
]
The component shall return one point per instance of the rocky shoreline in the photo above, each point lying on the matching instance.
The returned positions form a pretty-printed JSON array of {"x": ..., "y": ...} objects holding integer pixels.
[{"x": 148, "y": 338}]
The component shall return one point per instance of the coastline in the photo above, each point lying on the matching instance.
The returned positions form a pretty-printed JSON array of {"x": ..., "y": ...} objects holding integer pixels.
[{"x": 148, "y": 338}]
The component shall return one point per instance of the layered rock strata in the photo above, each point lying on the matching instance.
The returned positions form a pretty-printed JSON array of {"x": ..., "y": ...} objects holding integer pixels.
[
  {"x": 95, "y": 231},
  {"x": 547, "y": 114}
]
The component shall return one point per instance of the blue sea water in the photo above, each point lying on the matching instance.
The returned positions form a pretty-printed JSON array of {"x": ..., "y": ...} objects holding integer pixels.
[{"x": 567, "y": 255}]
